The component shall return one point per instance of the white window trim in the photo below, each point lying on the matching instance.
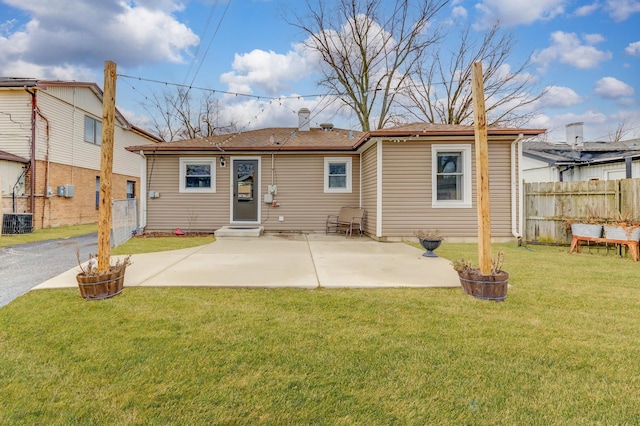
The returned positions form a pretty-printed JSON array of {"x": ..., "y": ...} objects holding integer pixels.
[
  {"x": 465, "y": 149},
  {"x": 197, "y": 160},
  {"x": 330, "y": 160}
]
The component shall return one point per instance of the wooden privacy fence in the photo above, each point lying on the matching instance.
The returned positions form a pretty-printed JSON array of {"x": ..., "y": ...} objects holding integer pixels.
[{"x": 547, "y": 205}]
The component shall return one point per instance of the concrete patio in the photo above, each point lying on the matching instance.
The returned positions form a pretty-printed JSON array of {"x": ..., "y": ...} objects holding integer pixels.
[{"x": 285, "y": 260}]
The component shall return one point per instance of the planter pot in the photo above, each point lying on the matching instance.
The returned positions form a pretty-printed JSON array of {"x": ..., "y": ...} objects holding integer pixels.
[
  {"x": 486, "y": 287},
  {"x": 619, "y": 232},
  {"x": 101, "y": 286},
  {"x": 586, "y": 230},
  {"x": 430, "y": 244}
]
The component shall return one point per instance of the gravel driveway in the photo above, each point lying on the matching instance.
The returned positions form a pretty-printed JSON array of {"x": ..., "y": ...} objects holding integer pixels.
[{"x": 24, "y": 266}]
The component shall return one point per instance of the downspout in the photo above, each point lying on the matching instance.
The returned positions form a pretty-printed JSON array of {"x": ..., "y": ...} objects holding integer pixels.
[
  {"x": 46, "y": 176},
  {"x": 379, "y": 216},
  {"x": 517, "y": 186},
  {"x": 144, "y": 191},
  {"x": 32, "y": 161}
]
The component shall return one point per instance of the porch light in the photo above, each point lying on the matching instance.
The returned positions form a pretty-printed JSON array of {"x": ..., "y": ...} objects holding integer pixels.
[{"x": 223, "y": 163}]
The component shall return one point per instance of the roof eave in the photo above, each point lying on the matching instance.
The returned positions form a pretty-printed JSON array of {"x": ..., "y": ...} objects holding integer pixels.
[{"x": 447, "y": 132}]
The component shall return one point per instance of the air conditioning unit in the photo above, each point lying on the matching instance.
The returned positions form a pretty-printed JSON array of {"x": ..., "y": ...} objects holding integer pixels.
[{"x": 17, "y": 223}]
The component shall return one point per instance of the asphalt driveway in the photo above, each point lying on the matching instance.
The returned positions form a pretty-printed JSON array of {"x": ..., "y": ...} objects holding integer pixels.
[
  {"x": 24, "y": 266},
  {"x": 275, "y": 260}
]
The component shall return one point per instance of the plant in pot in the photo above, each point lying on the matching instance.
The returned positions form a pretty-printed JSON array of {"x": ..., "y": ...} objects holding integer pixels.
[
  {"x": 589, "y": 226},
  {"x": 487, "y": 287},
  {"x": 96, "y": 285},
  {"x": 429, "y": 240},
  {"x": 624, "y": 228}
]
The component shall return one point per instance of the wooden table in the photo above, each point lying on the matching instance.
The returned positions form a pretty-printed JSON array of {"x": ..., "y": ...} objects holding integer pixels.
[{"x": 629, "y": 244}]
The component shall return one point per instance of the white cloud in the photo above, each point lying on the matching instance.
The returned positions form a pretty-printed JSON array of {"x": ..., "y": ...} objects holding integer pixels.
[
  {"x": 254, "y": 113},
  {"x": 270, "y": 72},
  {"x": 612, "y": 88},
  {"x": 593, "y": 38},
  {"x": 459, "y": 12},
  {"x": 620, "y": 10},
  {"x": 595, "y": 123},
  {"x": 560, "y": 97},
  {"x": 567, "y": 48},
  {"x": 516, "y": 12},
  {"x": 587, "y": 9},
  {"x": 56, "y": 41},
  {"x": 633, "y": 49}
]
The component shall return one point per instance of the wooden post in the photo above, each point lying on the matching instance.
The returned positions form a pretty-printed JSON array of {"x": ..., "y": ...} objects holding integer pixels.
[
  {"x": 106, "y": 166},
  {"x": 482, "y": 170}
]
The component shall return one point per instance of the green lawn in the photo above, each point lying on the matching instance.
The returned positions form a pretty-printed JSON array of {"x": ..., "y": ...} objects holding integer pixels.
[
  {"x": 564, "y": 348},
  {"x": 48, "y": 234}
]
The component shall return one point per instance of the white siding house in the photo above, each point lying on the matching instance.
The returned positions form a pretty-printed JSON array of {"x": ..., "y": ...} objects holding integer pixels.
[
  {"x": 56, "y": 128},
  {"x": 577, "y": 160}
]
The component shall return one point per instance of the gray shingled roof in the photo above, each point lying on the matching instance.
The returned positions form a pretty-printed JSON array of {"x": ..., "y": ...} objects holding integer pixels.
[{"x": 591, "y": 152}]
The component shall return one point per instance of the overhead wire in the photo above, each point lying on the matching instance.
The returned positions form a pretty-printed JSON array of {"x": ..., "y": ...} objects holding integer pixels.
[
  {"x": 206, "y": 52},
  {"x": 197, "y": 52}
]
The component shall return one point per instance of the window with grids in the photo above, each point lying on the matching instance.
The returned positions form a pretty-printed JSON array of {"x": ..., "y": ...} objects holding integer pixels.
[
  {"x": 198, "y": 174},
  {"x": 451, "y": 180},
  {"x": 337, "y": 174}
]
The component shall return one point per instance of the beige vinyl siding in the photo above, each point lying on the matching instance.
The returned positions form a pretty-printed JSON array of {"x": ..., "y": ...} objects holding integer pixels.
[
  {"x": 15, "y": 122},
  {"x": 189, "y": 211},
  {"x": 407, "y": 197},
  {"x": 301, "y": 197},
  {"x": 370, "y": 188},
  {"x": 66, "y": 132},
  {"x": 500, "y": 189}
]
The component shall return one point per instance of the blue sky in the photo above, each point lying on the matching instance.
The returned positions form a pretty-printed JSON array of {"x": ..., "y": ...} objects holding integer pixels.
[{"x": 586, "y": 53}]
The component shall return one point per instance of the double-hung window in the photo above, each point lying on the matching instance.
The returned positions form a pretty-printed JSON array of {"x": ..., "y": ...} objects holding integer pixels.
[
  {"x": 92, "y": 130},
  {"x": 337, "y": 174},
  {"x": 451, "y": 180},
  {"x": 198, "y": 174}
]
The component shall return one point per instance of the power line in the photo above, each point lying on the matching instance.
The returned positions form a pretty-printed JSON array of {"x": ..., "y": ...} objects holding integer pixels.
[
  {"x": 206, "y": 52},
  {"x": 225, "y": 92}
]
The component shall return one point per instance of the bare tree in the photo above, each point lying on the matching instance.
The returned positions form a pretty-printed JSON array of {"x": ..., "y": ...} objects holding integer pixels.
[
  {"x": 623, "y": 130},
  {"x": 440, "y": 91},
  {"x": 175, "y": 118},
  {"x": 368, "y": 49}
]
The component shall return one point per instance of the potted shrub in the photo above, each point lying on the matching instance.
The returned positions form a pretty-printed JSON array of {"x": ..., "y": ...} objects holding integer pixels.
[
  {"x": 589, "y": 226},
  {"x": 487, "y": 287},
  {"x": 623, "y": 228},
  {"x": 95, "y": 285},
  {"x": 429, "y": 240}
]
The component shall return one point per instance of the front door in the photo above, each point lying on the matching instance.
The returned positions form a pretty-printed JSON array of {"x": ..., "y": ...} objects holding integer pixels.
[{"x": 245, "y": 190}]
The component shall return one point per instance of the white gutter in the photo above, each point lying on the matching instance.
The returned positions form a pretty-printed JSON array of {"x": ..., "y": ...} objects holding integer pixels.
[
  {"x": 143, "y": 191},
  {"x": 379, "y": 189},
  {"x": 517, "y": 186}
]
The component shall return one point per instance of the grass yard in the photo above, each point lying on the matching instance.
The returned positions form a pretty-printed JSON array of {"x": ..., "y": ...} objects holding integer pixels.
[
  {"x": 564, "y": 348},
  {"x": 48, "y": 234}
]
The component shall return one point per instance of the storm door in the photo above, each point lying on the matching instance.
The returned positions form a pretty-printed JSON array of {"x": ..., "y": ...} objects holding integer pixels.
[{"x": 245, "y": 190}]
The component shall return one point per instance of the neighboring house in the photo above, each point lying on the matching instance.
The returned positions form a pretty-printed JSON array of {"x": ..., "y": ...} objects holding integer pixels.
[
  {"x": 412, "y": 177},
  {"x": 576, "y": 160},
  {"x": 50, "y": 138}
]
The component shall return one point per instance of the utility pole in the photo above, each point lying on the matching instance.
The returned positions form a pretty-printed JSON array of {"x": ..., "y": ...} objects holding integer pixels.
[
  {"x": 482, "y": 170},
  {"x": 106, "y": 166}
]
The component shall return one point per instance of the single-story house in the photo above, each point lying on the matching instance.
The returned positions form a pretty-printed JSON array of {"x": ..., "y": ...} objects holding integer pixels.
[
  {"x": 411, "y": 177},
  {"x": 577, "y": 160}
]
